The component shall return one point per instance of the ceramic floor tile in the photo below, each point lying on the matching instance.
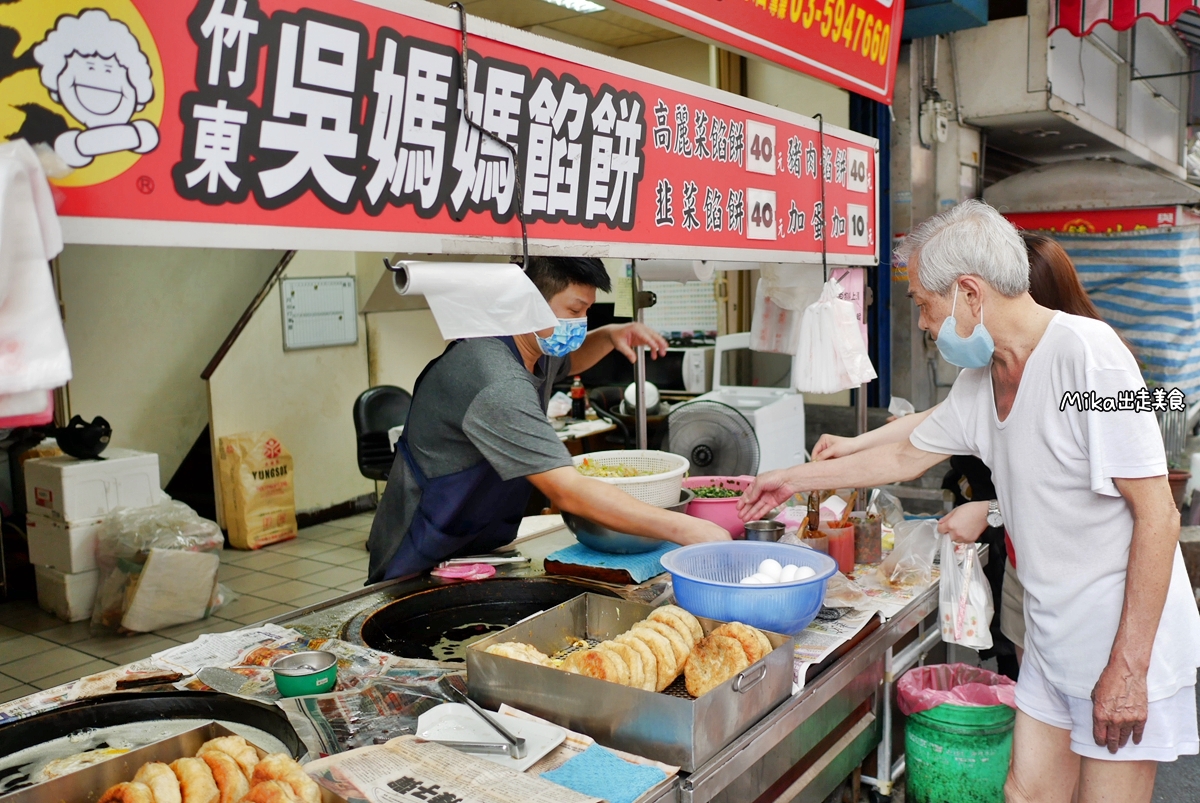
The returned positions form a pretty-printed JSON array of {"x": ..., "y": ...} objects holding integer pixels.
[
  {"x": 144, "y": 650},
  {"x": 254, "y": 582},
  {"x": 350, "y": 538},
  {"x": 263, "y": 560},
  {"x": 24, "y": 646},
  {"x": 15, "y": 692},
  {"x": 353, "y": 586},
  {"x": 289, "y": 590},
  {"x": 66, "y": 634},
  {"x": 229, "y": 571},
  {"x": 234, "y": 557},
  {"x": 304, "y": 549},
  {"x": 45, "y": 663},
  {"x": 74, "y": 673},
  {"x": 7, "y": 683},
  {"x": 241, "y": 607},
  {"x": 341, "y": 555},
  {"x": 361, "y": 565},
  {"x": 111, "y": 644},
  {"x": 354, "y": 522},
  {"x": 26, "y": 617},
  {"x": 334, "y": 576},
  {"x": 266, "y": 613},
  {"x": 7, "y": 632},
  {"x": 294, "y": 570},
  {"x": 318, "y": 532}
]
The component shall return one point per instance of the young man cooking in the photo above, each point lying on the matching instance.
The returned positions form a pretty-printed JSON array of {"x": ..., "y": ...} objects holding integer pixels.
[
  {"x": 477, "y": 440},
  {"x": 1107, "y": 688}
]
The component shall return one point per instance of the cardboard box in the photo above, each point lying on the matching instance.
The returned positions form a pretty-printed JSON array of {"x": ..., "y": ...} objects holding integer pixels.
[
  {"x": 67, "y": 596},
  {"x": 68, "y": 489},
  {"x": 69, "y": 547}
]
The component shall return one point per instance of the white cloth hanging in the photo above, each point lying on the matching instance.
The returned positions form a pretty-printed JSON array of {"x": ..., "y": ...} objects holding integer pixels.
[{"x": 33, "y": 347}]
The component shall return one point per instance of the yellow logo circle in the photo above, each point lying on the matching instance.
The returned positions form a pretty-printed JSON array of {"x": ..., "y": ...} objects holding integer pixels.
[{"x": 83, "y": 76}]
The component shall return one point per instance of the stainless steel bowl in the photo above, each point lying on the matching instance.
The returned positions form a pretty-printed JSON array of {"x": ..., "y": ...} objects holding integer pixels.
[
  {"x": 764, "y": 530},
  {"x": 602, "y": 539}
]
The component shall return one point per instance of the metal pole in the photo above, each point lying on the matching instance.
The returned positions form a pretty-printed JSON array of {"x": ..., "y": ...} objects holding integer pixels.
[
  {"x": 860, "y": 426},
  {"x": 640, "y": 370}
]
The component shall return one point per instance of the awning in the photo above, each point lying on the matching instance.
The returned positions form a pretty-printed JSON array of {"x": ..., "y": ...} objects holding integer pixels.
[
  {"x": 1146, "y": 284},
  {"x": 1081, "y": 16}
]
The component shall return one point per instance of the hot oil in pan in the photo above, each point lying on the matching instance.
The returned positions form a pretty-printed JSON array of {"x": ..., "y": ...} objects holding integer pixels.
[
  {"x": 452, "y": 646},
  {"x": 439, "y": 623}
]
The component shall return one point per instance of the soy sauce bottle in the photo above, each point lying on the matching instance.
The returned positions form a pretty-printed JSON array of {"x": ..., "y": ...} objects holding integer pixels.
[{"x": 578, "y": 400}]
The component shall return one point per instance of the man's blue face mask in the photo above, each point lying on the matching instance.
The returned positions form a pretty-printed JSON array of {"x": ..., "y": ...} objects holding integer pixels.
[
  {"x": 973, "y": 351},
  {"x": 567, "y": 336}
]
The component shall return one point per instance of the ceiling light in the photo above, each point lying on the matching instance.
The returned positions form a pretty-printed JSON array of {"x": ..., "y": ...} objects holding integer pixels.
[{"x": 579, "y": 6}]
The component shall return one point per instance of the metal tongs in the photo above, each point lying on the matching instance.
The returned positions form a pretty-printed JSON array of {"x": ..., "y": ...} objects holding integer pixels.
[{"x": 512, "y": 746}]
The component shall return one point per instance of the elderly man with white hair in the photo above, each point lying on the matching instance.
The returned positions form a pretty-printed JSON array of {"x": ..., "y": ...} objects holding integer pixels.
[{"x": 1107, "y": 688}]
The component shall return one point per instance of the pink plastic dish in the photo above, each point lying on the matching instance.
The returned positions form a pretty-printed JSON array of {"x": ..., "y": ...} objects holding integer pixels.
[
  {"x": 465, "y": 571},
  {"x": 722, "y": 512}
]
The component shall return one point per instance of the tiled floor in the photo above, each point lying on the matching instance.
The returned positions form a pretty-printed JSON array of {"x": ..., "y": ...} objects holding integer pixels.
[{"x": 38, "y": 651}]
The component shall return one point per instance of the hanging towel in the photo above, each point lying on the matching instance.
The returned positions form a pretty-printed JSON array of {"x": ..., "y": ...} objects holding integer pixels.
[{"x": 33, "y": 347}]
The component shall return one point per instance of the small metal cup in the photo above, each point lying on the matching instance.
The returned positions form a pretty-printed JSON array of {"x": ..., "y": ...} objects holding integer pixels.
[{"x": 764, "y": 530}]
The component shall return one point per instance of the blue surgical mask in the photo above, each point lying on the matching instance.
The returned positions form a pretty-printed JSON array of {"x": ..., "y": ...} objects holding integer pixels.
[
  {"x": 567, "y": 336},
  {"x": 973, "y": 351}
]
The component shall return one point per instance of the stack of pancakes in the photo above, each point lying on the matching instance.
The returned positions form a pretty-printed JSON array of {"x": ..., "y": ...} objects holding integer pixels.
[
  {"x": 655, "y": 651},
  {"x": 225, "y": 770}
]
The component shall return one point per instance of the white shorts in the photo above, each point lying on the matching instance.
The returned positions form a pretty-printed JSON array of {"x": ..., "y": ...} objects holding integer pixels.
[{"x": 1171, "y": 728}]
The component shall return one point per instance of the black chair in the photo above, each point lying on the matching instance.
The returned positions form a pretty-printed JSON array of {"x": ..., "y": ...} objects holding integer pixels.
[{"x": 377, "y": 410}]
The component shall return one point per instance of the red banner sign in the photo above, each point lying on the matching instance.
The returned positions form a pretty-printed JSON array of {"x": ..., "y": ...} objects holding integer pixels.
[
  {"x": 852, "y": 43},
  {"x": 337, "y": 125},
  {"x": 1104, "y": 221}
]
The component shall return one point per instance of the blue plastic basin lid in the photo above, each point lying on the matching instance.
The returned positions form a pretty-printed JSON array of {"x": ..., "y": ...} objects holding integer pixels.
[{"x": 669, "y": 560}]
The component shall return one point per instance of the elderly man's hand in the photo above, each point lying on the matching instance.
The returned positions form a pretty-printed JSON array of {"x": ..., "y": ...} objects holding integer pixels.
[
  {"x": 627, "y": 337},
  {"x": 965, "y": 523},
  {"x": 830, "y": 446},
  {"x": 1119, "y": 706},
  {"x": 768, "y": 491}
]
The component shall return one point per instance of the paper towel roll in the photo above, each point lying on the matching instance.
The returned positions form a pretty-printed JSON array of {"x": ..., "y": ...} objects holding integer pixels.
[
  {"x": 675, "y": 270},
  {"x": 476, "y": 299}
]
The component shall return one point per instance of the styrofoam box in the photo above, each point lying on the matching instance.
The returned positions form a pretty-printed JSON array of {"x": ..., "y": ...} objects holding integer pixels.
[
  {"x": 67, "y": 596},
  {"x": 69, "y": 489},
  {"x": 67, "y": 546}
]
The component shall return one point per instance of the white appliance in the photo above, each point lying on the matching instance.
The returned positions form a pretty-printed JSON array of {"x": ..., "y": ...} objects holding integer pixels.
[
  {"x": 695, "y": 367},
  {"x": 777, "y": 414}
]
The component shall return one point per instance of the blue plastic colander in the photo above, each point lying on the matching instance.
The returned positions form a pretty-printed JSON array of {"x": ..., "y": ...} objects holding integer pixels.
[{"x": 707, "y": 583}]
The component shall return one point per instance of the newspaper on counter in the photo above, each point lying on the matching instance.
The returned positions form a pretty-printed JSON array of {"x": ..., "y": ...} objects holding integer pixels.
[
  {"x": 892, "y": 599},
  {"x": 221, "y": 649},
  {"x": 373, "y": 713},
  {"x": 832, "y": 628},
  {"x": 408, "y": 770}
]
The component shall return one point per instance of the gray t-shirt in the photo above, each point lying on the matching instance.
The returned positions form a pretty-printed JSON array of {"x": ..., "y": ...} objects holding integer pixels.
[{"x": 477, "y": 403}]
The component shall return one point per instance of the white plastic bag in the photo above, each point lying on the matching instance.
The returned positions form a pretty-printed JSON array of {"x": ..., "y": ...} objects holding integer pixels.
[
  {"x": 773, "y": 328},
  {"x": 965, "y": 601},
  {"x": 831, "y": 355},
  {"x": 158, "y": 568},
  {"x": 910, "y": 563}
]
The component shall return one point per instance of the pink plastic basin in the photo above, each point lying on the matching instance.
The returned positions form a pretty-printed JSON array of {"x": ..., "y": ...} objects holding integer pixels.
[{"x": 722, "y": 512}]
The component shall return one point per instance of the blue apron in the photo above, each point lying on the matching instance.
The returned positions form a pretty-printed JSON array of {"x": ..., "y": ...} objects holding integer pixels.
[{"x": 469, "y": 512}]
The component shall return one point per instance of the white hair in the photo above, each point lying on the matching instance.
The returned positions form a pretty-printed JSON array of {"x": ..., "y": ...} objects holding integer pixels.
[
  {"x": 94, "y": 33},
  {"x": 971, "y": 238}
]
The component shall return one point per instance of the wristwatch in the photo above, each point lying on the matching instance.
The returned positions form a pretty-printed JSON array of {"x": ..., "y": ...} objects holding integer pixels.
[{"x": 994, "y": 519}]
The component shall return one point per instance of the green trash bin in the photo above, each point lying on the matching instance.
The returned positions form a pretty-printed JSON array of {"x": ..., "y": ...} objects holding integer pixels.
[{"x": 958, "y": 754}]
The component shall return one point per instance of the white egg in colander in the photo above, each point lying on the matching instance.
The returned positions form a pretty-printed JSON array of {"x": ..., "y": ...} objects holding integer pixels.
[{"x": 770, "y": 572}]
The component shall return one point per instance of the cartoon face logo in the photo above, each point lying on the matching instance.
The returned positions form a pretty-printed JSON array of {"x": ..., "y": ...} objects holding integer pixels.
[{"x": 94, "y": 66}]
